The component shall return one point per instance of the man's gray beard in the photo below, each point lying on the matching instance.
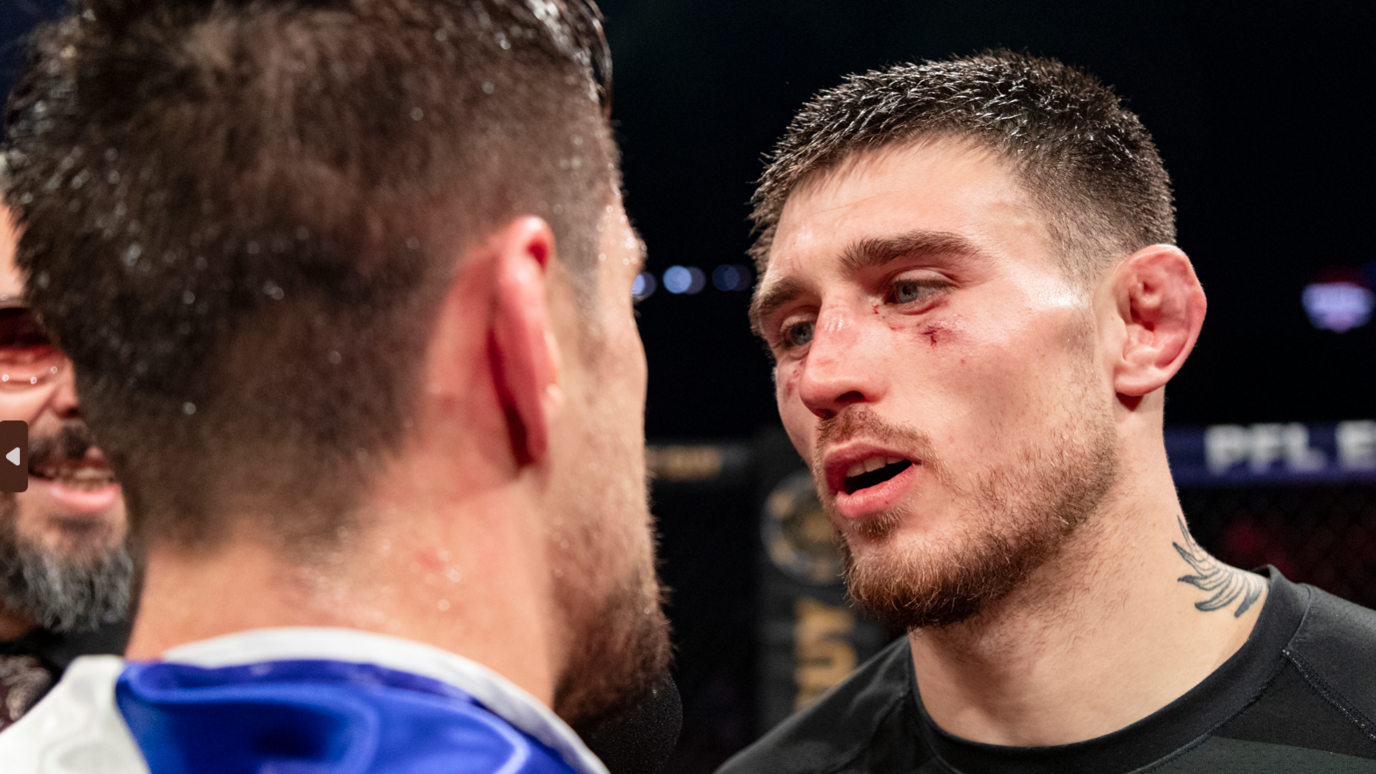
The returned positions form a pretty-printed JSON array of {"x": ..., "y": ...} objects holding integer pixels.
[
  {"x": 61, "y": 593},
  {"x": 1022, "y": 517}
]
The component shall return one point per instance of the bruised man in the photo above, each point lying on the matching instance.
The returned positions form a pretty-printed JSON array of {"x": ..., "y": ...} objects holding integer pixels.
[
  {"x": 347, "y": 288},
  {"x": 65, "y": 573},
  {"x": 970, "y": 287}
]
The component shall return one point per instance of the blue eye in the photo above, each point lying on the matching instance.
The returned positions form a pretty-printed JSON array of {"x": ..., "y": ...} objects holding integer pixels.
[
  {"x": 908, "y": 292},
  {"x": 799, "y": 334}
]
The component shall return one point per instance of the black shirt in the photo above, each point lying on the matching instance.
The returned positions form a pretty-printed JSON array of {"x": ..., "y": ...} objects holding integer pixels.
[
  {"x": 1299, "y": 696},
  {"x": 30, "y": 665}
]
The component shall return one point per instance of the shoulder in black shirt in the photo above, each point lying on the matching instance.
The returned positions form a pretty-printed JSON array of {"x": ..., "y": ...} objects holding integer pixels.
[{"x": 1299, "y": 696}]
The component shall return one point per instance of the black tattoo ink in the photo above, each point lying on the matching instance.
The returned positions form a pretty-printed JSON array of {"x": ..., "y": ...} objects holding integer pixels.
[{"x": 1225, "y": 583}]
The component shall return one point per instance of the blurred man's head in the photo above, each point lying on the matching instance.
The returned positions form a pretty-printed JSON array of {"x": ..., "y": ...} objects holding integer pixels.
[
  {"x": 941, "y": 246},
  {"x": 271, "y": 234},
  {"x": 63, "y": 562}
]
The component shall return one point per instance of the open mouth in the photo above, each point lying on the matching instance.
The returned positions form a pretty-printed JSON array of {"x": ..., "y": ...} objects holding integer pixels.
[
  {"x": 872, "y": 472},
  {"x": 79, "y": 474}
]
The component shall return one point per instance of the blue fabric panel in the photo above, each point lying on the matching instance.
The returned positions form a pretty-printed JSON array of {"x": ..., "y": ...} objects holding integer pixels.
[{"x": 317, "y": 717}]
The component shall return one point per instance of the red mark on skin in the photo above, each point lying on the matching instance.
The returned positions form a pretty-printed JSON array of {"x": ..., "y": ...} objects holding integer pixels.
[
  {"x": 931, "y": 334},
  {"x": 430, "y": 559},
  {"x": 875, "y": 307}
]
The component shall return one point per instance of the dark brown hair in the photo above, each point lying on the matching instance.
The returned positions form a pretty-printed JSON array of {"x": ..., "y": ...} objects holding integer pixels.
[
  {"x": 239, "y": 218},
  {"x": 1086, "y": 161}
]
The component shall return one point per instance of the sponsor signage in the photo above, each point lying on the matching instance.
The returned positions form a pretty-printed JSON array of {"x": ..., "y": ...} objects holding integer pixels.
[{"x": 1279, "y": 453}]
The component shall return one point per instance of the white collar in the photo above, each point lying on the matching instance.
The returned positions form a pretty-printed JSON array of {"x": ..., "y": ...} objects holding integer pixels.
[{"x": 351, "y": 645}]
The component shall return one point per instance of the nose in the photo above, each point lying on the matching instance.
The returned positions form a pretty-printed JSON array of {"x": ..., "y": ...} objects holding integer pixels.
[
  {"x": 841, "y": 367},
  {"x": 63, "y": 401}
]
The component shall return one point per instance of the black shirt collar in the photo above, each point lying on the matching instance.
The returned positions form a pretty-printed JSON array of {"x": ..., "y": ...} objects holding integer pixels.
[
  {"x": 57, "y": 650},
  {"x": 1188, "y": 719}
]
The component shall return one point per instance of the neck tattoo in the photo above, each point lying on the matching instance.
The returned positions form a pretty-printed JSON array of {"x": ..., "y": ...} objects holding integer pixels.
[{"x": 1225, "y": 584}]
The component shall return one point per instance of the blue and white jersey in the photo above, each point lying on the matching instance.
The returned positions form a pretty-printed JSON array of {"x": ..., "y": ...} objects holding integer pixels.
[{"x": 295, "y": 701}]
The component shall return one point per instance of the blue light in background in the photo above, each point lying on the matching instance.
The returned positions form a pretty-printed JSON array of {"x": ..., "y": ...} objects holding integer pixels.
[
  {"x": 644, "y": 286},
  {"x": 1338, "y": 306},
  {"x": 696, "y": 280},
  {"x": 684, "y": 279},
  {"x": 677, "y": 279},
  {"x": 730, "y": 277}
]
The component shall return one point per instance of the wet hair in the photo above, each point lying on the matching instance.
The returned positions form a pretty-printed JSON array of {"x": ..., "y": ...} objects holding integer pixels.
[
  {"x": 240, "y": 218},
  {"x": 1085, "y": 160}
]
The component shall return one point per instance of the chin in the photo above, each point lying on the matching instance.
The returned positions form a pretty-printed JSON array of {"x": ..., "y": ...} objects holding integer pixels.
[{"x": 619, "y": 651}]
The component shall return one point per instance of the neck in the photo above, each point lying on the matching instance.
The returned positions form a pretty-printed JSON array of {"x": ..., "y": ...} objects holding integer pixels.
[
  {"x": 431, "y": 577},
  {"x": 1101, "y": 636}
]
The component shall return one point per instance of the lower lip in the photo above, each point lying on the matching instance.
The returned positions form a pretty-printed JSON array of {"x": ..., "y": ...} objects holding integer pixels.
[
  {"x": 76, "y": 501},
  {"x": 877, "y": 498}
]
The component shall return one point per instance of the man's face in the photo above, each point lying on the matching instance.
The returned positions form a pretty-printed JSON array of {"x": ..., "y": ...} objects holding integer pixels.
[
  {"x": 601, "y": 541},
  {"x": 941, "y": 375},
  {"x": 62, "y": 541}
]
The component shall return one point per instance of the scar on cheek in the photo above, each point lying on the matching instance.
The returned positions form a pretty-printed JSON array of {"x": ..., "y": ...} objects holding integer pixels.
[{"x": 933, "y": 333}]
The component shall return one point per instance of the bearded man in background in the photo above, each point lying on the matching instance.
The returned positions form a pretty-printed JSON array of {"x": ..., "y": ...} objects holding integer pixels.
[{"x": 65, "y": 571}]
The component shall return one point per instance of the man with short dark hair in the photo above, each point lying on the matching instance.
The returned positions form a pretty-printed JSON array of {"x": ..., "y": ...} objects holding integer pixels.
[
  {"x": 347, "y": 285},
  {"x": 65, "y": 571},
  {"x": 968, "y": 282}
]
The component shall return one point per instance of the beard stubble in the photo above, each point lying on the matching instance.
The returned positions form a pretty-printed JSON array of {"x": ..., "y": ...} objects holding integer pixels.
[{"x": 1021, "y": 515}]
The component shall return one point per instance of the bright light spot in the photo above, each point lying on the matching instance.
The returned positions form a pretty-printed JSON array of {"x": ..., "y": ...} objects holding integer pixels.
[
  {"x": 1338, "y": 306},
  {"x": 732, "y": 277},
  {"x": 677, "y": 279},
  {"x": 644, "y": 286}
]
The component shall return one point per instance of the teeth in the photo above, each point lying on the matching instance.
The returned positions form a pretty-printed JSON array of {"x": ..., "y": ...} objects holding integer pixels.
[
  {"x": 84, "y": 477},
  {"x": 870, "y": 465}
]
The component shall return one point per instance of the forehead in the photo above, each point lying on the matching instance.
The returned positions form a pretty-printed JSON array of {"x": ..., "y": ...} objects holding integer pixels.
[{"x": 939, "y": 187}]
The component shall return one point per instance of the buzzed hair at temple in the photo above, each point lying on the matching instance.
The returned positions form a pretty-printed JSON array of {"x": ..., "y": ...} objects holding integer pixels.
[
  {"x": 1085, "y": 160},
  {"x": 241, "y": 216}
]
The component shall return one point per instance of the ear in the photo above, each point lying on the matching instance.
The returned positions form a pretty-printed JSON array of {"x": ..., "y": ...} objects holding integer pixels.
[
  {"x": 525, "y": 356},
  {"x": 1161, "y": 304}
]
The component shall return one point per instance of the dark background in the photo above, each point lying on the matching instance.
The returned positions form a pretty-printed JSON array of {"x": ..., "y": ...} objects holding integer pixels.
[{"x": 1262, "y": 111}]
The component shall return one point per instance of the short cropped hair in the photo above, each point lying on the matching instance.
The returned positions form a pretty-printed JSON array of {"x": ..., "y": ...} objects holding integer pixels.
[
  {"x": 240, "y": 218},
  {"x": 1085, "y": 160}
]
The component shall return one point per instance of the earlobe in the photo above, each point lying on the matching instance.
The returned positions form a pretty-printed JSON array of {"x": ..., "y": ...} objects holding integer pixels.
[
  {"x": 525, "y": 360},
  {"x": 1161, "y": 305}
]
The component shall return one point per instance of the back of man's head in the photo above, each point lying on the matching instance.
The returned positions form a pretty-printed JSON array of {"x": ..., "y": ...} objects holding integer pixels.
[
  {"x": 1085, "y": 160},
  {"x": 274, "y": 193}
]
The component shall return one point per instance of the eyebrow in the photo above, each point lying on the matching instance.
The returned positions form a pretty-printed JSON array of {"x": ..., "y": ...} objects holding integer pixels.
[
  {"x": 875, "y": 252},
  {"x": 860, "y": 255}
]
